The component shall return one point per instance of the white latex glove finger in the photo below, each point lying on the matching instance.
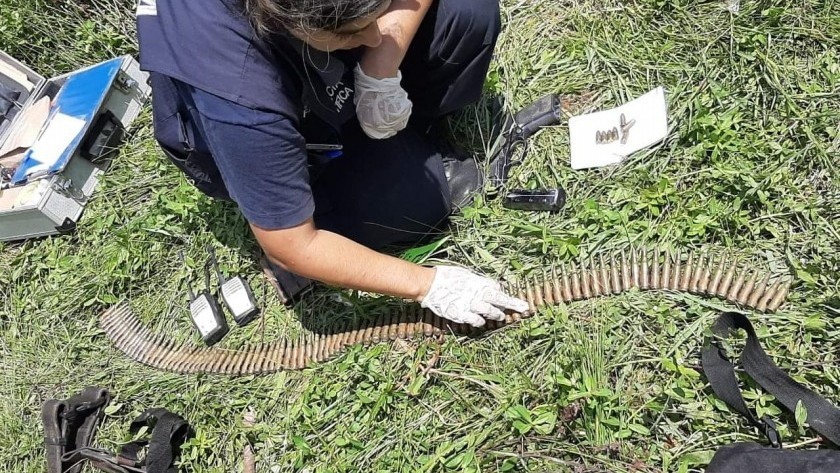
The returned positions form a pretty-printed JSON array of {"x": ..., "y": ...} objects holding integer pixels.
[
  {"x": 487, "y": 310},
  {"x": 500, "y": 299},
  {"x": 471, "y": 318},
  {"x": 382, "y": 105}
]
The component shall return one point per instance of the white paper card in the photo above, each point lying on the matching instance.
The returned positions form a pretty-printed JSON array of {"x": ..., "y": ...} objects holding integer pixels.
[{"x": 645, "y": 123}]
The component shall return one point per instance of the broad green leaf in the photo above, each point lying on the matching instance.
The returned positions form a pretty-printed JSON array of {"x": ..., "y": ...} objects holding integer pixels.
[{"x": 801, "y": 414}]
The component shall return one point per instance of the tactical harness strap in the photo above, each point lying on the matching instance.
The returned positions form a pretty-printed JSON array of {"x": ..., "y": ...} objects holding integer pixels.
[
  {"x": 823, "y": 416},
  {"x": 71, "y": 424},
  {"x": 168, "y": 432}
]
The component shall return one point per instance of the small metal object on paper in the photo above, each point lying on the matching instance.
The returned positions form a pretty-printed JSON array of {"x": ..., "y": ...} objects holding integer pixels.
[
  {"x": 605, "y": 137},
  {"x": 625, "y": 128},
  {"x": 602, "y": 138}
]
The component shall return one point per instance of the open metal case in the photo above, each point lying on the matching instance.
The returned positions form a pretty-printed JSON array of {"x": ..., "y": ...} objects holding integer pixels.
[{"x": 89, "y": 111}]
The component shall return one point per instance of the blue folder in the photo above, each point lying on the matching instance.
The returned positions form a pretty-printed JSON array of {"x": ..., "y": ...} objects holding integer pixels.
[{"x": 81, "y": 97}]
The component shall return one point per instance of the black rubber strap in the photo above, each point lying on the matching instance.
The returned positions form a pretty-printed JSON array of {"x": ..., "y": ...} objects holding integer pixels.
[{"x": 823, "y": 416}]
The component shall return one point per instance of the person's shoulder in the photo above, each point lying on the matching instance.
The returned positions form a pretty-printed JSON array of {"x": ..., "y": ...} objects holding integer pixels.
[{"x": 210, "y": 45}]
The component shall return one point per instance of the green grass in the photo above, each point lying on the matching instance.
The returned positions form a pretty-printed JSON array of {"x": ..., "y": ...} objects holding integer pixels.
[{"x": 750, "y": 165}]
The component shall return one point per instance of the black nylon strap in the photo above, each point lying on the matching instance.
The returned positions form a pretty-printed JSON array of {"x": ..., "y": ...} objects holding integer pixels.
[
  {"x": 823, "y": 416},
  {"x": 87, "y": 407},
  {"x": 168, "y": 435},
  {"x": 70, "y": 425},
  {"x": 169, "y": 431},
  {"x": 8, "y": 96},
  {"x": 54, "y": 440},
  {"x": 721, "y": 375},
  {"x": 102, "y": 460}
]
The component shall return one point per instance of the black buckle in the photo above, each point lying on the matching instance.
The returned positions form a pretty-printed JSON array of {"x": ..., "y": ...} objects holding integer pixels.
[
  {"x": 771, "y": 432},
  {"x": 183, "y": 134},
  {"x": 78, "y": 412},
  {"x": 84, "y": 407},
  {"x": 61, "y": 441}
]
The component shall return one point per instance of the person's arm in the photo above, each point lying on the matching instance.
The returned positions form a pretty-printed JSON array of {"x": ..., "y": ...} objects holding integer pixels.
[
  {"x": 262, "y": 160},
  {"x": 454, "y": 293},
  {"x": 333, "y": 259},
  {"x": 397, "y": 26}
]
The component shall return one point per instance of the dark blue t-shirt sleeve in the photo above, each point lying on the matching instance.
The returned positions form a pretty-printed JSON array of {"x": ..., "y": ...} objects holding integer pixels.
[{"x": 262, "y": 159}]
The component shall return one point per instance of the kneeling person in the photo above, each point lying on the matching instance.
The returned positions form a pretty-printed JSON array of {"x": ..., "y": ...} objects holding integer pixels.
[{"x": 319, "y": 120}]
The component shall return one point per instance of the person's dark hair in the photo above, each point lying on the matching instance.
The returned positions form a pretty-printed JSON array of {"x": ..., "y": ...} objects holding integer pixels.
[{"x": 273, "y": 16}]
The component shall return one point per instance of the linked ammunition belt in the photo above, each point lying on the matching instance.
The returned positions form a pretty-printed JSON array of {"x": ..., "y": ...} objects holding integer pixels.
[{"x": 699, "y": 275}]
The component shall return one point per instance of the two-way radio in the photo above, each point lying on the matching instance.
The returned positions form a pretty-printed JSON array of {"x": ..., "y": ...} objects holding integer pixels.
[
  {"x": 205, "y": 312},
  {"x": 236, "y": 294}
]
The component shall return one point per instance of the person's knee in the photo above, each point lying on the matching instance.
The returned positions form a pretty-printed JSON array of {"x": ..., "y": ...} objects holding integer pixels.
[{"x": 474, "y": 21}]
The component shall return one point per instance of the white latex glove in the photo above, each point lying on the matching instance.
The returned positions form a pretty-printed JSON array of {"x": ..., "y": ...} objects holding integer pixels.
[
  {"x": 382, "y": 106},
  {"x": 467, "y": 298}
]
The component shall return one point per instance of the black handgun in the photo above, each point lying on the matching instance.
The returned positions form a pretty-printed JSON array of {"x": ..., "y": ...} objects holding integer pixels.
[{"x": 544, "y": 112}]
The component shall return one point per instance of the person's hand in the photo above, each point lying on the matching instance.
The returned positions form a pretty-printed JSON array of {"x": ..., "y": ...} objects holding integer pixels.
[
  {"x": 467, "y": 298},
  {"x": 382, "y": 105}
]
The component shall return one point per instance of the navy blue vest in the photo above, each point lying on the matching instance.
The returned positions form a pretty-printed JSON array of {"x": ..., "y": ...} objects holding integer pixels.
[{"x": 210, "y": 45}]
